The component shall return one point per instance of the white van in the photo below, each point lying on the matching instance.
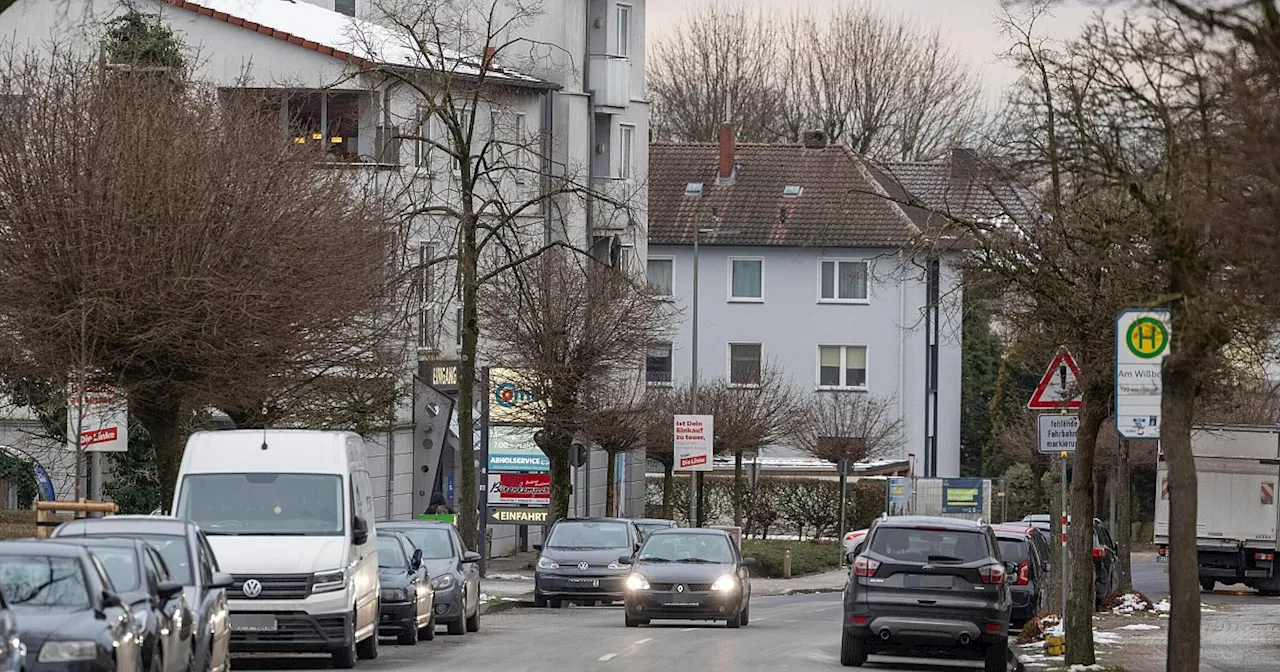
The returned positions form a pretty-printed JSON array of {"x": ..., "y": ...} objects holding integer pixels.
[{"x": 289, "y": 514}]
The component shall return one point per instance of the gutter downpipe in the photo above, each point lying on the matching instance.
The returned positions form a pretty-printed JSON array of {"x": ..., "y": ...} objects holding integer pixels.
[{"x": 591, "y": 123}]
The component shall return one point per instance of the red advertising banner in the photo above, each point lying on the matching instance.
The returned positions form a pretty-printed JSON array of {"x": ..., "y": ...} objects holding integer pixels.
[{"x": 532, "y": 489}]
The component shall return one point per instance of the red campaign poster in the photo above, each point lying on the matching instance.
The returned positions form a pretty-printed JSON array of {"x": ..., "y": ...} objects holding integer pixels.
[{"x": 532, "y": 489}]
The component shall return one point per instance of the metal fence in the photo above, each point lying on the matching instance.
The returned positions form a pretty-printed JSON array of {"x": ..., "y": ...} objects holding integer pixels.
[{"x": 967, "y": 498}]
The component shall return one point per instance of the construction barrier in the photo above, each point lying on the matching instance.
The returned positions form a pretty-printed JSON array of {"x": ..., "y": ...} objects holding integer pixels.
[{"x": 45, "y": 513}]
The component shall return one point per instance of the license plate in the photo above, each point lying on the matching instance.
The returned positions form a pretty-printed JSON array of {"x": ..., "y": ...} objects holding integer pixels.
[
  {"x": 585, "y": 583},
  {"x": 927, "y": 581},
  {"x": 253, "y": 622},
  {"x": 682, "y": 604}
]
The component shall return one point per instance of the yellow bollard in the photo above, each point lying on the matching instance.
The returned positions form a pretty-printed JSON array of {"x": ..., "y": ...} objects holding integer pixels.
[{"x": 1055, "y": 646}]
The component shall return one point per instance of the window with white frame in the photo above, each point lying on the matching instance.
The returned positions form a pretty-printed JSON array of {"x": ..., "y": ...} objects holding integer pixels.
[
  {"x": 457, "y": 331},
  {"x": 746, "y": 279},
  {"x": 626, "y": 151},
  {"x": 842, "y": 366},
  {"x": 520, "y": 161},
  {"x": 657, "y": 364},
  {"x": 744, "y": 363},
  {"x": 624, "y": 30},
  {"x": 843, "y": 280},
  {"x": 422, "y": 146},
  {"x": 426, "y": 294},
  {"x": 659, "y": 274},
  {"x": 626, "y": 257}
]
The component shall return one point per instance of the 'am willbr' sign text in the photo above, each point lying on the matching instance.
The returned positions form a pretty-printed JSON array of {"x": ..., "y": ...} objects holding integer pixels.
[{"x": 693, "y": 443}]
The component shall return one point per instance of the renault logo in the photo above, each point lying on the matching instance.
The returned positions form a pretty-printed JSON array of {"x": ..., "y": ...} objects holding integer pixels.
[
  {"x": 252, "y": 588},
  {"x": 583, "y": 566},
  {"x": 680, "y": 588}
]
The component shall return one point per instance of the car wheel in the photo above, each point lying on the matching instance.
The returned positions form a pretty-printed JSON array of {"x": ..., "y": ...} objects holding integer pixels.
[
  {"x": 473, "y": 621},
  {"x": 997, "y": 657},
  {"x": 1207, "y": 585},
  {"x": 636, "y": 622},
  {"x": 409, "y": 635},
  {"x": 345, "y": 658},
  {"x": 538, "y": 600},
  {"x": 746, "y": 613},
  {"x": 853, "y": 650},
  {"x": 428, "y": 631},
  {"x": 588, "y": 603},
  {"x": 735, "y": 621},
  {"x": 554, "y": 604},
  {"x": 458, "y": 627},
  {"x": 368, "y": 649}
]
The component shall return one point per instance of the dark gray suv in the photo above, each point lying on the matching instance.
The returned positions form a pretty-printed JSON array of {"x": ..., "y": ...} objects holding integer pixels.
[{"x": 928, "y": 586}]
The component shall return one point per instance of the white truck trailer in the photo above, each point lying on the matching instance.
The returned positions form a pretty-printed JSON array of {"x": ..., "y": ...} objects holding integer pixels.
[{"x": 1237, "y": 469}]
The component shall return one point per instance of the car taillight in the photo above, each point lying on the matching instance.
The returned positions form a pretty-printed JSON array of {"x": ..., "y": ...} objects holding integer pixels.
[
  {"x": 1266, "y": 557},
  {"x": 1024, "y": 573},
  {"x": 864, "y": 566},
  {"x": 1099, "y": 552},
  {"x": 993, "y": 574}
]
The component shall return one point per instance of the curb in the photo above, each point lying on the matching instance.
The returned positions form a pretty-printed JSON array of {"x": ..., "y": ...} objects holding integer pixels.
[{"x": 803, "y": 591}]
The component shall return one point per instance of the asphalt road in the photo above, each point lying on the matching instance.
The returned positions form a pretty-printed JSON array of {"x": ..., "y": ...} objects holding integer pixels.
[
  {"x": 1152, "y": 578},
  {"x": 796, "y": 632}
]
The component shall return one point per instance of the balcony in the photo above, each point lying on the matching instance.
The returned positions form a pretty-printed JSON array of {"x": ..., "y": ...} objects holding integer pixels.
[
  {"x": 610, "y": 82},
  {"x": 615, "y": 202}
]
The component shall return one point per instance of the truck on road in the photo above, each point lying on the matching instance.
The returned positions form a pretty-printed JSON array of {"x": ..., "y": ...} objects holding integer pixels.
[{"x": 1237, "y": 470}]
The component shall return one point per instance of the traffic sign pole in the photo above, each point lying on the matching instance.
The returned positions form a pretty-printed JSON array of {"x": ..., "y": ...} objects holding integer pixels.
[{"x": 1063, "y": 573}]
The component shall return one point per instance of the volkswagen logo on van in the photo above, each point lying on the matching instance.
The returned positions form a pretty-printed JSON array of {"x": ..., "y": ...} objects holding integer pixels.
[
  {"x": 583, "y": 566},
  {"x": 252, "y": 588}
]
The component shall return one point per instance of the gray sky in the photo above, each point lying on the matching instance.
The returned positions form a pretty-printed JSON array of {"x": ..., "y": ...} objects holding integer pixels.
[{"x": 969, "y": 24}]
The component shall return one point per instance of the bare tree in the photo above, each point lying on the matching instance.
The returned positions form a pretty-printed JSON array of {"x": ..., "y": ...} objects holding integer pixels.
[
  {"x": 613, "y": 416},
  {"x": 853, "y": 426},
  {"x": 572, "y": 325},
  {"x": 190, "y": 261}
]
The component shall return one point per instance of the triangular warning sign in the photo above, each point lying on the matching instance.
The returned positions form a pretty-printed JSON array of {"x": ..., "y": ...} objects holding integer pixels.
[{"x": 1058, "y": 388}]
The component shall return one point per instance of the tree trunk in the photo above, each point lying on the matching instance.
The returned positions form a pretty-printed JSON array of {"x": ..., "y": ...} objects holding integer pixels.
[
  {"x": 561, "y": 482},
  {"x": 610, "y": 490},
  {"x": 1054, "y": 497},
  {"x": 468, "y": 523},
  {"x": 1081, "y": 598},
  {"x": 160, "y": 413},
  {"x": 1176, "y": 407},
  {"x": 668, "y": 476},
  {"x": 738, "y": 489},
  {"x": 1124, "y": 516}
]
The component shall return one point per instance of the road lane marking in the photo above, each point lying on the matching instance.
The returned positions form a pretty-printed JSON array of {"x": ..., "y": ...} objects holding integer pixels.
[
  {"x": 646, "y": 639},
  {"x": 688, "y": 629},
  {"x": 607, "y": 657}
]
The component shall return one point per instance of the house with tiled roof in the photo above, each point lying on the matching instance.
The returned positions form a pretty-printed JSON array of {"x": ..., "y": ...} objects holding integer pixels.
[
  {"x": 565, "y": 85},
  {"x": 805, "y": 262}
]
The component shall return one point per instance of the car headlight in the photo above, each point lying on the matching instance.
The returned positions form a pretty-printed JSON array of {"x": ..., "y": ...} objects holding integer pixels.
[
  {"x": 140, "y": 620},
  {"x": 637, "y": 582},
  {"x": 395, "y": 595},
  {"x": 68, "y": 652},
  {"x": 442, "y": 582},
  {"x": 544, "y": 563},
  {"x": 726, "y": 582},
  {"x": 327, "y": 582}
]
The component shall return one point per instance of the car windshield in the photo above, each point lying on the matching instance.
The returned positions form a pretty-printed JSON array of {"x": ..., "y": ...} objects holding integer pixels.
[
  {"x": 263, "y": 504},
  {"x": 693, "y": 548},
  {"x": 175, "y": 552},
  {"x": 1013, "y": 550},
  {"x": 43, "y": 582},
  {"x": 925, "y": 545},
  {"x": 121, "y": 566},
  {"x": 434, "y": 542},
  {"x": 647, "y": 529},
  {"x": 589, "y": 534},
  {"x": 391, "y": 554}
]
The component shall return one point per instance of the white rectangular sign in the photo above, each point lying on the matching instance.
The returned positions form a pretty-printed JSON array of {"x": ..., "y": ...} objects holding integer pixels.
[
  {"x": 1142, "y": 343},
  {"x": 101, "y": 417},
  {"x": 693, "y": 442},
  {"x": 1057, "y": 432}
]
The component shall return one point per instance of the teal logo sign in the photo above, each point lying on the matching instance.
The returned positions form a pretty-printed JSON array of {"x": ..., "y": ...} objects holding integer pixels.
[{"x": 509, "y": 395}]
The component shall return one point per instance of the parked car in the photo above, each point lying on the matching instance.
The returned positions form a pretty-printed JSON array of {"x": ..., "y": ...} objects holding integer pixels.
[
  {"x": 454, "y": 572},
  {"x": 1104, "y": 554},
  {"x": 191, "y": 562},
  {"x": 1024, "y": 545},
  {"x": 648, "y": 526},
  {"x": 407, "y": 601},
  {"x": 927, "y": 585},
  {"x": 852, "y": 543},
  {"x": 12, "y": 650},
  {"x": 578, "y": 561},
  {"x": 67, "y": 615},
  {"x": 161, "y": 617},
  {"x": 694, "y": 574}
]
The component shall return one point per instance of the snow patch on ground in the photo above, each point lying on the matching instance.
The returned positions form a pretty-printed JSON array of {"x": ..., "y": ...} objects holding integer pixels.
[
  {"x": 1086, "y": 668},
  {"x": 1105, "y": 637},
  {"x": 508, "y": 577},
  {"x": 1162, "y": 606},
  {"x": 1139, "y": 626},
  {"x": 1129, "y": 603}
]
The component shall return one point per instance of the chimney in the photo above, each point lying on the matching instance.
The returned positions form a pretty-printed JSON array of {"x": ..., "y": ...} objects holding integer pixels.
[
  {"x": 728, "y": 155},
  {"x": 815, "y": 139},
  {"x": 489, "y": 53}
]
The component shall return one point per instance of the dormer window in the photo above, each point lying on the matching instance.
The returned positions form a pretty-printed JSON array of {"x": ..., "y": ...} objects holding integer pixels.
[
  {"x": 693, "y": 189},
  {"x": 792, "y": 191}
]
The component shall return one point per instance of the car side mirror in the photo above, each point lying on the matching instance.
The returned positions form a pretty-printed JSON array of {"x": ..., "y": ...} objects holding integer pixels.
[
  {"x": 416, "y": 560},
  {"x": 624, "y": 560},
  {"x": 537, "y": 547},
  {"x": 110, "y": 599},
  {"x": 167, "y": 590},
  {"x": 221, "y": 580},
  {"x": 748, "y": 562},
  {"x": 471, "y": 556},
  {"x": 359, "y": 531},
  {"x": 848, "y": 557}
]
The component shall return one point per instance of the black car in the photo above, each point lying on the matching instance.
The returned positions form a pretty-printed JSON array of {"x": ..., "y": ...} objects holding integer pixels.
[
  {"x": 67, "y": 615},
  {"x": 454, "y": 572},
  {"x": 12, "y": 650},
  {"x": 927, "y": 585},
  {"x": 694, "y": 574},
  {"x": 162, "y": 619},
  {"x": 648, "y": 526},
  {"x": 1023, "y": 544},
  {"x": 579, "y": 561},
  {"x": 407, "y": 600},
  {"x": 1104, "y": 554},
  {"x": 191, "y": 562}
]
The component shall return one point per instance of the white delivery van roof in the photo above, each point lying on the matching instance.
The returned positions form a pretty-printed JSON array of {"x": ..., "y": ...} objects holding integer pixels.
[{"x": 297, "y": 451}]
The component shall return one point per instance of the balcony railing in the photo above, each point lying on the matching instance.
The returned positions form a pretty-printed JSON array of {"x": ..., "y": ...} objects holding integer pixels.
[{"x": 611, "y": 81}]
